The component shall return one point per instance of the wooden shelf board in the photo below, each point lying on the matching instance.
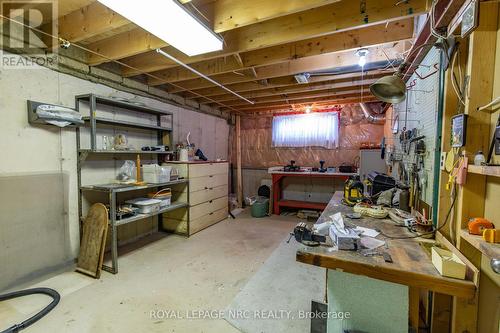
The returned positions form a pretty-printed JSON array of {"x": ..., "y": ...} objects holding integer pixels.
[
  {"x": 302, "y": 204},
  {"x": 489, "y": 249},
  {"x": 493, "y": 171}
]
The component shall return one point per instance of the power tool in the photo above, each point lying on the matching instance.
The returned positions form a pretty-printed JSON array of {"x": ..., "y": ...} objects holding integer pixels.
[
  {"x": 353, "y": 191},
  {"x": 305, "y": 235},
  {"x": 478, "y": 224}
]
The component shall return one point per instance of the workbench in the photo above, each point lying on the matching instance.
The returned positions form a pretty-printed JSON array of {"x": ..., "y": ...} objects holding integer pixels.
[
  {"x": 411, "y": 267},
  {"x": 278, "y": 175}
]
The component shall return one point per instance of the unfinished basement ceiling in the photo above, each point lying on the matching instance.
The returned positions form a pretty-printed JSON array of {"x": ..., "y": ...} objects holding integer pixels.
[{"x": 265, "y": 46}]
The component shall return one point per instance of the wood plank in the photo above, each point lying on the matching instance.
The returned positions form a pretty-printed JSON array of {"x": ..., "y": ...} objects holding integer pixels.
[
  {"x": 239, "y": 178},
  {"x": 94, "y": 233},
  {"x": 324, "y": 104},
  {"x": 493, "y": 171},
  {"x": 481, "y": 60},
  {"x": 301, "y": 65},
  {"x": 295, "y": 89},
  {"x": 284, "y": 81},
  {"x": 414, "y": 302},
  {"x": 290, "y": 89},
  {"x": 339, "y": 99},
  {"x": 342, "y": 41},
  {"x": 443, "y": 285},
  {"x": 312, "y": 23},
  {"x": 230, "y": 14},
  {"x": 88, "y": 22},
  {"x": 349, "y": 91}
]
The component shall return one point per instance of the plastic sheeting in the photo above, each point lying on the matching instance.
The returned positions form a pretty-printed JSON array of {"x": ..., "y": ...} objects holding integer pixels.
[{"x": 355, "y": 131}]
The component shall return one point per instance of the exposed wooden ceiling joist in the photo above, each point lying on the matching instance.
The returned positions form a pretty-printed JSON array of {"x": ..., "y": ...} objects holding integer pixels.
[
  {"x": 363, "y": 37},
  {"x": 301, "y": 107},
  {"x": 314, "y": 63},
  {"x": 291, "y": 89},
  {"x": 341, "y": 99},
  {"x": 315, "y": 22},
  {"x": 230, "y": 14},
  {"x": 284, "y": 81},
  {"x": 329, "y": 92}
]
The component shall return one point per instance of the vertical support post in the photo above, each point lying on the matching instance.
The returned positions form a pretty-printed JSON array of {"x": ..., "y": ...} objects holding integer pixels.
[
  {"x": 481, "y": 62},
  {"x": 238, "y": 162},
  {"x": 114, "y": 236},
  {"x": 93, "y": 124},
  {"x": 414, "y": 302}
]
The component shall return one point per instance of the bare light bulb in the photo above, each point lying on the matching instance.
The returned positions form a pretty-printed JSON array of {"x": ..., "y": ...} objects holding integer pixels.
[
  {"x": 362, "y": 61},
  {"x": 362, "y": 53},
  {"x": 308, "y": 109}
]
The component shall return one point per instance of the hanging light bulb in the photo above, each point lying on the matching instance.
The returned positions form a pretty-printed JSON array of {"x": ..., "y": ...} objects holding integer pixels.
[
  {"x": 308, "y": 109},
  {"x": 362, "y": 53}
]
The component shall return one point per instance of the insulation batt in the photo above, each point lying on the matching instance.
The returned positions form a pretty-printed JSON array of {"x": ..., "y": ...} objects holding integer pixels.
[{"x": 257, "y": 152}]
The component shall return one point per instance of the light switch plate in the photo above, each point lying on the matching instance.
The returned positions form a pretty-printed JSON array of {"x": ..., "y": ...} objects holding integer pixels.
[{"x": 442, "y": 160}]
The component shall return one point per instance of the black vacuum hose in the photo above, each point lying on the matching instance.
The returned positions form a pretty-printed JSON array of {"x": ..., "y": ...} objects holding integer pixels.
[{"x": 45, "y": 291}]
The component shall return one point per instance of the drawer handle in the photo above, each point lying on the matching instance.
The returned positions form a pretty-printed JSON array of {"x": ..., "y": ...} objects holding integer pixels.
[
  {"x": 210, "y": 201},
  {"x": 211, "y": 176},
  {"x": 211, "y": 188},
  {"x": 206, "y": 188},
  {"x": 212, "y": 213}
]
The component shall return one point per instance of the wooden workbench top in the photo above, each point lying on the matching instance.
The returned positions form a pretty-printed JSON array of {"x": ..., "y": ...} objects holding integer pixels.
[{"x": 411, "y": 265}]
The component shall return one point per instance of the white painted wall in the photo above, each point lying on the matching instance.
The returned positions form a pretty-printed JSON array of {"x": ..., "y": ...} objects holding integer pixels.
[{"x": 35, "y": 150}]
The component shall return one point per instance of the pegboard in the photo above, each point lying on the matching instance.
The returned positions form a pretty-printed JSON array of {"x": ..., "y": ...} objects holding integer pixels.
[{"x": 419, "y": 111}]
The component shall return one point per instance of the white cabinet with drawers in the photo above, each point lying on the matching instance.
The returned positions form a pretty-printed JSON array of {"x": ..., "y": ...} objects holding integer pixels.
[{"x": 207, "y": 195}]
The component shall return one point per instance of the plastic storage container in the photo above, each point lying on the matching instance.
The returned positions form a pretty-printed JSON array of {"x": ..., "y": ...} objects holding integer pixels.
[
  {"x": 153, "y": 173},
  {"x": 146, "y": 205},
  {"x": 260, "y": 207}
]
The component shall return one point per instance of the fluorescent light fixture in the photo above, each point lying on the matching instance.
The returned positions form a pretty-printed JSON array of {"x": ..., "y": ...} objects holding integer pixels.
[
  {"x": 362, "y": 53},
  {"x": 170, "y": 22}
]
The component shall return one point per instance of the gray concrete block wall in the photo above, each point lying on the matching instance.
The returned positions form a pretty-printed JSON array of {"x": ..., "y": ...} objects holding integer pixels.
[{"x": 42, "y": 149}]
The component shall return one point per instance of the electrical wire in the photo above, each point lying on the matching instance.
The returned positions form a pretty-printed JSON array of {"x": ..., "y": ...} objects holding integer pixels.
[
  {"x": 433, "y": 23},
  {"x": 62, "y": 40},
  {"x": 429, "y": 232},
  {"x": 450, "y": 210}
]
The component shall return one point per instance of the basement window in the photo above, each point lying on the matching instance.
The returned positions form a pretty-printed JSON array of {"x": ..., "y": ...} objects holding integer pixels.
[{"x": 306, "y": 130}]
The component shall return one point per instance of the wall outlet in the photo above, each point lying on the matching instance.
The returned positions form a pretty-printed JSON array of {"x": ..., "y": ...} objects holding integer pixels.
[{"x": 442, "y": 161}]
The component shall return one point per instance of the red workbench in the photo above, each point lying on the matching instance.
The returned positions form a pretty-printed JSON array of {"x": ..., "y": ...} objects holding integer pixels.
[{"x": 277, "y": 177}]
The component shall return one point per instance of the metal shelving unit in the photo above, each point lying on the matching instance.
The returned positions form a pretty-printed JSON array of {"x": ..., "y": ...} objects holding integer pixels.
[{"x": 112, "y": 190}]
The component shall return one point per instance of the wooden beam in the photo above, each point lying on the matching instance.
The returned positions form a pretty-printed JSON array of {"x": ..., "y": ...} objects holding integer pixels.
[
  {"x": 301, "y": 95},
  {"x": 310, "y": 64},
  {"x": 327, "y": 103},
  {"x": 362, "y": 37},
  {"x": 88, "y": 22},
  {"x": 239, "y": 178},
  {"x": 284, "y": 81},
  {"x": 295, "y": 88},
  {"x": 339, "y": 99},
  {"x": 230, "y": 14},
  {"x": 312, "y": 23}
]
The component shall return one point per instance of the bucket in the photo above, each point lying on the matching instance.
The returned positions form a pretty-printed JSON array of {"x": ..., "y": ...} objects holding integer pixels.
[{"x": 260, "y": 208}]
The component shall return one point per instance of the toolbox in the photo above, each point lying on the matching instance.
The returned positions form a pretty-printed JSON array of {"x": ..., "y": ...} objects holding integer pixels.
[{"x": 378, "y": 182}]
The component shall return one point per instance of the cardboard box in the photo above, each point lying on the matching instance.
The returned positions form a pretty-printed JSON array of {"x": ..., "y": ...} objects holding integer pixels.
[{"x": 447, "y": 263}]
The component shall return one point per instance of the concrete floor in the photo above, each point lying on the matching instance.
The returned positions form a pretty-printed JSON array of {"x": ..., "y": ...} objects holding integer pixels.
[{"x": 204, "y": 272}]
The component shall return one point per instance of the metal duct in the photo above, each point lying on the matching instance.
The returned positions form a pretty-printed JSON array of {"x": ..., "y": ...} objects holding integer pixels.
[{"x": 374, "y": 112}]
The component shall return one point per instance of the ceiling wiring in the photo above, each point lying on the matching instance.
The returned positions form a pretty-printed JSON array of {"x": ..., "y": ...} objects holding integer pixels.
[{"x": 83, "y": 48}]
